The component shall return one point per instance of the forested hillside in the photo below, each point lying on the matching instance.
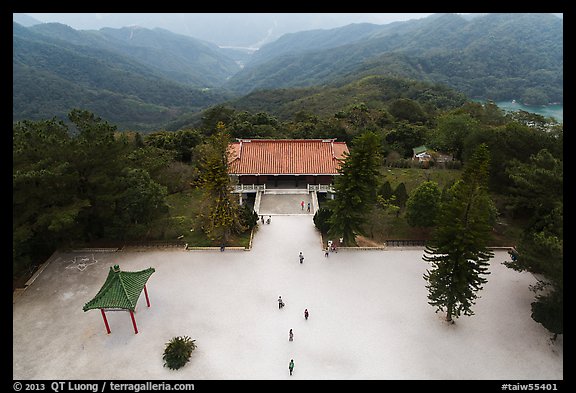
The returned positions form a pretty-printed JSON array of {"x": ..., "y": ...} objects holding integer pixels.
[
  {"x": 149, "y": 79},
  {"x": 496, "y": 56},
  {"x": 375, "y": 92},
  {"x": 56, "y": 68},
  {"x": 176, "y": 57}
]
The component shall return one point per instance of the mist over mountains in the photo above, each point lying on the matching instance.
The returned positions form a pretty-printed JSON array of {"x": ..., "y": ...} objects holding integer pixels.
[
  {"x": 143, "y": 78},
  {"x": 248, "y": 30}
]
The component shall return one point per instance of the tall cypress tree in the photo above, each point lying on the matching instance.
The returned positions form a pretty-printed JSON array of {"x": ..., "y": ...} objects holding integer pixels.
[
  {"x": 401, "y": 195},
  {"x": 355, "y": 188},
  {"x": 224, "y": 214},
  {"x": 458, "y": 251},
  {"x": 385, "y": 190}
]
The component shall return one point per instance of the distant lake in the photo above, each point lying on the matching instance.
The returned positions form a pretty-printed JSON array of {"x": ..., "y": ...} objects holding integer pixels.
[{"x": 554, "y": 111}]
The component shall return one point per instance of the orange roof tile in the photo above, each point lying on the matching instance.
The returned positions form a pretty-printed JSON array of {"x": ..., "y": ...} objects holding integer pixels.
[{"x": 286, "y": 156}]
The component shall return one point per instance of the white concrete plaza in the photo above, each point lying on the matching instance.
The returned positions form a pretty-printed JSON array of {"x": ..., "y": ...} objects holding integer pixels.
[{"x": 369, "y": 317}]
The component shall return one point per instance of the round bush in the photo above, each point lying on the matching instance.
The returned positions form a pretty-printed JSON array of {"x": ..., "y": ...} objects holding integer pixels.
[{"x": 178, "y": 352}]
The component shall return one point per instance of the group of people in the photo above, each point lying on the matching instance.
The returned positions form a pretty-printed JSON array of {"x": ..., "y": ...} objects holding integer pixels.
[
  {"x": 331, "y": 247},
  {"x": 291, "y": 333},
  {"x": 268, "y": 221},
  {"x": 302, "y": 206}
]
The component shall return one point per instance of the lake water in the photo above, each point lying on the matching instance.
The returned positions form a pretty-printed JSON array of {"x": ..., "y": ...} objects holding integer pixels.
[{"x": 554, "y": 111}]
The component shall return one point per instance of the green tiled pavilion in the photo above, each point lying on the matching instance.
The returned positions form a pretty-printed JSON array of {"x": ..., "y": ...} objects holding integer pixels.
[{"x": 121, "y": 291}]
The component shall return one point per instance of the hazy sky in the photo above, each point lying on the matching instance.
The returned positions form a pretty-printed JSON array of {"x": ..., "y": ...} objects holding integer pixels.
[{"x": 250, "y": 29}]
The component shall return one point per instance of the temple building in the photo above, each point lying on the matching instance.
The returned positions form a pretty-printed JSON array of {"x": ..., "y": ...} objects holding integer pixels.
[{"x": 264, "y": 164}]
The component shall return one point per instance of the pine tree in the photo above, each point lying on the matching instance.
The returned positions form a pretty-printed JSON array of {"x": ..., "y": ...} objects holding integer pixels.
[
  {"x": 224, "y": 214},
  {"x": 401, "y": 195},
  {"x": 385, "y": 190},
  {"x": 537, "y": 188},
  {"x": 355, "y": 188},
  {"x": 321, "y": 218},
  {"x": 458, "y": 251},
  {"x": 42, "y": 218}
]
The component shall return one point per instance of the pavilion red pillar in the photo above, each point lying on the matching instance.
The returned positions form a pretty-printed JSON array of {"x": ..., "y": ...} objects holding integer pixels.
[
  {"x": 146, "y": 293},
  {"x": 105, "y": 320},
  {"x": 133, "y": 322}
]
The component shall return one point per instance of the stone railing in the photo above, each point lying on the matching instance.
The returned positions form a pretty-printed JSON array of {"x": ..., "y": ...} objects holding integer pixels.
[
  {"x": 249, "y": 187},
  {"x": 320, "y": 188},
  {"x": 405, "y": 243}
]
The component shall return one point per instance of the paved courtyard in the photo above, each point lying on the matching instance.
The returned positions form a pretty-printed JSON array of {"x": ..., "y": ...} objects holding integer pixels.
[
  {"x": 285, "y": 204},
  {"x": 369, "y": 317}
]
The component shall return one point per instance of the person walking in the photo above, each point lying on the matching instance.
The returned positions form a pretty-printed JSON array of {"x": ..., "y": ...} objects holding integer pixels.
[
  {"x": 308, "y": 207},
  {"x": 290, "y": 336},
  {"x": 280, "y": 302},
  {"x": 291, "y": 366},
  {"x": 326, "y": 252},
  {"x": 301, "y": 257},
  {"x": 302, "y": 205},
  {"x": 306, "y": 314},
  {"x": 332, "y": 246}
]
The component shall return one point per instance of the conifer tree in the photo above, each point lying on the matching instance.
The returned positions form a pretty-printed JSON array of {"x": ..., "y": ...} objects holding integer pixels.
[
  {"x": 385, "y": 190},
  {"x": 224, "y": 214},
  {"x": 355, "y": 188},
  {"x": 458, "y": 251},
  {"x": 401, "y": 195},
  {"x": 537, "y": 188}
]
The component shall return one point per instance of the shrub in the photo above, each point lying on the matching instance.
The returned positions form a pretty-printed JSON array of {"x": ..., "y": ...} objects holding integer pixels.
[
  {"x": 178, "y": 351},
  {"x": 248, "y": 216},
  {"x": 321, "y": 219}
]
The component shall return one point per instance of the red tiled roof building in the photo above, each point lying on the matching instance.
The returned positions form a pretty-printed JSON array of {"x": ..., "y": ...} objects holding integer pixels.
[{"x": 286, "y": 161}]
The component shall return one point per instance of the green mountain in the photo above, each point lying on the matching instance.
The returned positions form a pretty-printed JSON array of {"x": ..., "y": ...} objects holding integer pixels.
[
  {"x": 151, "y": 78},
  {"x": 176, "y": 57},
  {"x": 494, "y": 56},
  {"x": 376, "y": 92},
  {"x": 314, "y": 40},
  {"x": 180, "y": 58},
  {"x": 65, "y": 69}
]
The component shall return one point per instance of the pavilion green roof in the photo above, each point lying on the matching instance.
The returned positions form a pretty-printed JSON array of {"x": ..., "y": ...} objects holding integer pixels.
[
  {"x": 419, "y": 149},
  {"x": 121, "y": 290}
]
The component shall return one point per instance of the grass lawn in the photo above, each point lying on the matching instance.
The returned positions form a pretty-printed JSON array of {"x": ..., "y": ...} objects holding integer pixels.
[
  {"x": 413, "y": 177},
  {"x": 182, "y": 223},
  {"x": 381, "y": 226}
]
